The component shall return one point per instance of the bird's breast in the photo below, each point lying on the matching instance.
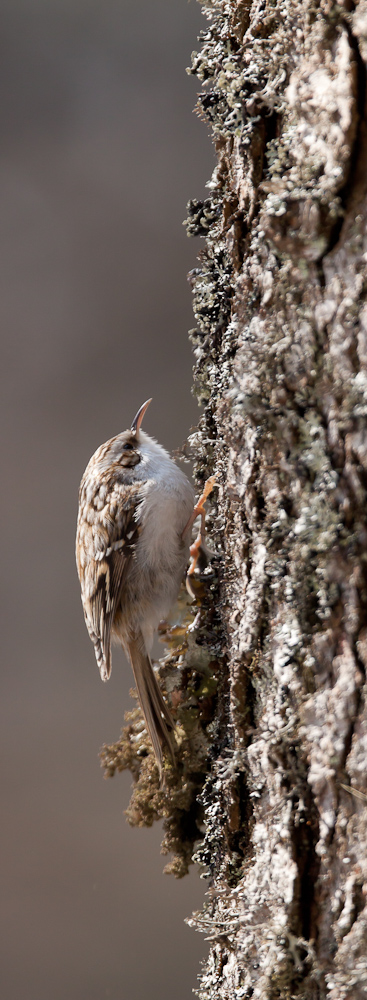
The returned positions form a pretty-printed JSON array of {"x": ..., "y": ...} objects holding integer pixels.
[{"x": 163, "y": 514}]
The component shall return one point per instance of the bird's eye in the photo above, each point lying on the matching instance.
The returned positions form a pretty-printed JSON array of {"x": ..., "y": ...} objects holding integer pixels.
[{"x": 127, "y": 446}]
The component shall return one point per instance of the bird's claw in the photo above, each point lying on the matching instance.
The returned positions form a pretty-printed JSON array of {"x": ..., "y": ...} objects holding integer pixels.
[{"x": 200, "y": 554}]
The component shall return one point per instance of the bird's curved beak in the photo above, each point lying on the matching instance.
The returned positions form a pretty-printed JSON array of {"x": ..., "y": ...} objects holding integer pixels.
[{"x": 136, "y": 424}]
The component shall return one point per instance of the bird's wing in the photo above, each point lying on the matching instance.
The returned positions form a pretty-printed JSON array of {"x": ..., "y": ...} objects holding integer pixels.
[{"x": 104, "y": 552}]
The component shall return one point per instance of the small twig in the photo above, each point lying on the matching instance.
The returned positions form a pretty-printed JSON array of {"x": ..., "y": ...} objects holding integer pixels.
[{"x": 354, "y": 791}]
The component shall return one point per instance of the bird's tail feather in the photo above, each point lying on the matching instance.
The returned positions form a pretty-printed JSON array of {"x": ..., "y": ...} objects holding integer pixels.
[{"x": 159, "y": 722}]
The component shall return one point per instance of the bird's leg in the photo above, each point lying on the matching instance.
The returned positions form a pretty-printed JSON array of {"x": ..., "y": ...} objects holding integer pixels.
[{"x": 198, "y": 511}]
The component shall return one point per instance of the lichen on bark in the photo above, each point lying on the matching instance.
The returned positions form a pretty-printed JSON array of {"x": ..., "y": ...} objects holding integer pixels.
[{"x": 280, "y": 347}]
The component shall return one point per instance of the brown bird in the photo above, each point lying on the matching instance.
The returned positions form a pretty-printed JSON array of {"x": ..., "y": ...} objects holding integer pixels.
[{"x": 136, "y": 508}]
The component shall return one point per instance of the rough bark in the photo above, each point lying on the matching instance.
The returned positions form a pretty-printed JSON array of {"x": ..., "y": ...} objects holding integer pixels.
[
  {"x": 272, "y": 703},
  {"x": 281, "y": 347}
]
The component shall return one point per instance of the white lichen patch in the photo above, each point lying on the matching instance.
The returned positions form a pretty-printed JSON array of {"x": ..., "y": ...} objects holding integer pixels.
[
  {"x": 326, "y": 720},
  {"x": 321, "y": 102}
]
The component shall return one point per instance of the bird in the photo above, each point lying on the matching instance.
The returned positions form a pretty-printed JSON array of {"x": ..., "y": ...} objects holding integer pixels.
[{"x": 136, "y": 509}]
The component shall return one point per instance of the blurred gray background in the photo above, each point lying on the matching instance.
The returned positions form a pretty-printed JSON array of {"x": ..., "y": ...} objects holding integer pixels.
[{"x": 99, "y": 152}]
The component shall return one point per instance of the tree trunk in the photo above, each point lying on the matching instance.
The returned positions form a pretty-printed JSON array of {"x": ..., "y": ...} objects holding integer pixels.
[{"x": 281, "y": 348}]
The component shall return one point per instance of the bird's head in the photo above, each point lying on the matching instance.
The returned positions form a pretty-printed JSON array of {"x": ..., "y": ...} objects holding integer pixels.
[
  {"x": 128, "y": 443},
  {"x": 132, "y": 449}
]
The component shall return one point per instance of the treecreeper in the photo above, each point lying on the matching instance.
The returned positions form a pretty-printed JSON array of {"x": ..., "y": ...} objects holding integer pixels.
[{"x": 136, "y": 511}]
